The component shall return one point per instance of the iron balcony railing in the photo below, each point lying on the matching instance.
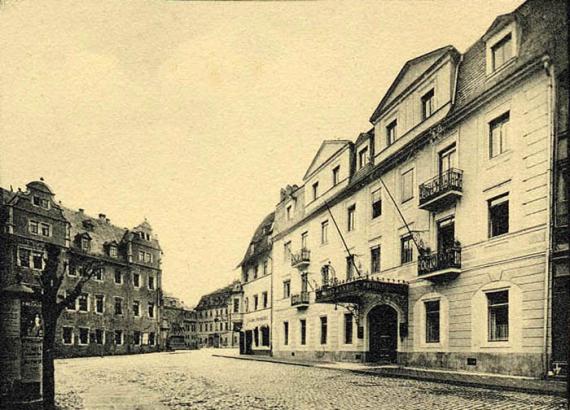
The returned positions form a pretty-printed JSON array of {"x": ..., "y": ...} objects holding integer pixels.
[
  {"x": 301, "y": 257},
  {"x": 450, "y": 180},
  {"x": 300, "y": 299},
  {"x": 449, "y": 258}
]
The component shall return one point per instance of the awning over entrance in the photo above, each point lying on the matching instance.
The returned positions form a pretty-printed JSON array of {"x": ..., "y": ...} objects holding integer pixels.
[{"x": 359, "y": 289}]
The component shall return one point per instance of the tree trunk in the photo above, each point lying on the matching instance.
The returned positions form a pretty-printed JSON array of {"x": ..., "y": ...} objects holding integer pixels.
[{"x": 50, "y": 322}]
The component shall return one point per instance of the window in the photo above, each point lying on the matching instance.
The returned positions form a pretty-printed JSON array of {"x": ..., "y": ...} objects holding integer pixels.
[
  {"x": 45, "y": 229},
  {"x": 264, "y": 335},
  {"x": 118, "y": 306},
  {"x": 315, "y": 190},
  {"x": 406, "y": 249},
  {"x": 41, "y": 202},
  {"x": 34, "y": 227},
  {"x": 136, "y": 280},
  {"x": 265, "y": 267},
  {"x": 287, "y": 251},
  {"x": 67, "y": 335},
  {"x": 136, "y": 337},
  {"x": 236, "y": 305},
  {"x": 349, "y": 267},
  {"x": 83, "y": 335},
  {"x": 99, "y": 337},
  {"x": 289, "y": 212},
  {"x": 324, "y": 232},
  {"x": 150, "y": 282},
  {"x": 336, "y": 175},
  {"x": 375, "y": 259},
  {"x": 286, "y": 288},
  {"x": 136, "y": 308},
  {"x": 498, "y": 215},
  {"x": 255, "y": 302},
  {"x": 498, "y": 311},
  {"x": 118, "y": 337},
  {"x": 113, "y": 251},
  {"x": 98, "y": 274},
  {"x": 351, "y": 218},
  {"x": 391, "y": 132},
  {"x": 83, "y": 302},
  {"x": 24, "y": 257},
  {"x": 285, "y": 333},
  {"x": 151, "y": 338},
  {"x": 303, "y": 325},
  {"x": 255, "y": 270},
  {"x": 362, "y": 157},
  {"x": 498, "y": 134},
  {"x": 348, "y": 328},
  {"x": 502, "y": 51},
  {"x": 407, "y": 185},
  {"x": 432, "y": 321},
  {"x": 447, "y": 159},
  {"x": 376, "y": 203},
  {"x": 99, "y": 304},
  {"x": 304, "y": 238},
  {"x": 427, "y": 104},
  {"x": 118, "y": 277},
  {"x": 85, "y": 243},
  {"x": 265, "y": 299},
  {"x": 324, "y": 330},
  {"x": 37, "y": 260},
  {"x": 150, "y": 309}
]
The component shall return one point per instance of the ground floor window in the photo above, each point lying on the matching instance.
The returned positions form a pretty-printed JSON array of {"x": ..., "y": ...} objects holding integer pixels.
[
  {"x": 285, "y": 333},
  {"x": 98, "y": 336},
  {"x": 83, "y": 335},
  {"x": 432, "y": 321},
  {"x": 303, "y": 325},
  {"x": 136, "y": 337},
  {"x": 265, "y": 336},
  {"x": 348, "y": 328},
  {"x": 498, "y": 315},
  {"x": 118, "y": 337},
  {"x": 324, "y": 326},
  {"x": 256, "y": 336},
  {"x": 67, "y": 335}
]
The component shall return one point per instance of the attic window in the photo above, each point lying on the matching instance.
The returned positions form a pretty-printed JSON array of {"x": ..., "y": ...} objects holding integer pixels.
[
  {"x": 502, "y": 51},
  {"x": 363, "y": 157},
  {"x": 85, "y": 242},
  {"x": 41, "y": 202},
  {"x": 113, "y": 251},
  {"x": 391, "y": 132}
]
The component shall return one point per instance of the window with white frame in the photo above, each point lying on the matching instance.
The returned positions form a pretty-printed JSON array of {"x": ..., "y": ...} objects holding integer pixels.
[
  {"x": 432, "y": 310},
  {"x": 286, "y": 288},
  {"x": 407, "y": 185},
  {"x": 99, "y": 337},
  {"x": 99, "y": 304},
  {"x": 24, "y": 257},
  {"x": 83, "y": 302},
  {"x": 67, "y": 335},
  {"x": 37, "y": 260},
  {"x": 498, "y": 135},
  {"x": 118, "y": 306},
  {"x": 324, "y": 232},
  {"x": 34, "y": 227},
  {"x": 113, "y": 251},
  {"x": 45, "y": 229},
  {"x": 351, "y": 218},
  {"x": 498, "y": 210},
  {"x": 376, "y": 197},
  {"x": 136, "y": 308},
  {"x": 118, "y": 337},
  {"x": 427, "y": 104},
  {"x": 502, "y": 51},
  {"x": 41, "y": 202},
  {"x": 150, "y": 309},
  {"x": 391, "y": 132},
  {"x": 498, "y": 315},
  {"x": 362, "y": 157},
  {"x": 136, "y": 279},
  {"x": 137, "y": 340},
  {"x": 304, "y": 240},
  {"x": 406, "y": 249},
  {"x": 150, "y": 281},
  {"x": 83, "y": 335},
  {"x": 118, "y": 277},
  {"x": 98, "y": 274},
  {"x": 336, "y": 175}
]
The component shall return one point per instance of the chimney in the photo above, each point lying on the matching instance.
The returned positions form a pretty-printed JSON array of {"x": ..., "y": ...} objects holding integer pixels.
[
  {"x": 102, "y": 217},
  {"x": 81, "y": 210}
]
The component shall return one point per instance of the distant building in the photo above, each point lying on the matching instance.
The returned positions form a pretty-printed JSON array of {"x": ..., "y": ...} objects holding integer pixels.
[
  {"x": 180, "y": 324},
  {"x": 119, "y": 310},
  {"x": 256, "y": 269},
  {"x": 218, "y": 322}
]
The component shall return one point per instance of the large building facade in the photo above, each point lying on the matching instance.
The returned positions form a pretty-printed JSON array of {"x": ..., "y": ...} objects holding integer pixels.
[
  {"x": 438, "y": 238},
  {"x": 256, "y": 279},
  {"x": 118, "y": 310},
  {"x": 219, "y": 318},
  {"x": 179, "y": 324}
]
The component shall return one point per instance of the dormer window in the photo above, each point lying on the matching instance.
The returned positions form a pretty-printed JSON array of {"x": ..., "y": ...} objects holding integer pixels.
[
  {"x": 336, "y": 175},
  {"x": 391, "y": 132},
  {"x": 427, "y": 104},
  {"x": 362, "y": 157},
  {"x": 502, "y": 51},
  {"x": 41, "y": 202},
  {"x": 85, "y": 242},
  {"x": 113, "y": 251}
]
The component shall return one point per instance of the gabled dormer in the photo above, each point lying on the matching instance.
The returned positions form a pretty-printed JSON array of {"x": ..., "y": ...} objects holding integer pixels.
[
  {"x": 83, "y": 241},
  {"x": 420, "y": 96},
  {"x": 112, "y": 249},
  {"x": 364, "y": 151},
  {"x": 502, "y": 42}
]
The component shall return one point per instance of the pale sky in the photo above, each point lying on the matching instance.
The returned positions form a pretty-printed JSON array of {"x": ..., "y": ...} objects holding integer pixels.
[{"x": 195, "y": 114}]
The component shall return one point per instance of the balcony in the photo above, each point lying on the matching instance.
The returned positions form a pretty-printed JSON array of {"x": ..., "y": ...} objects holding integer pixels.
[
  {"x": 301, "y": 300},
  {"x": 301, "y": 259},
  {"x": 442, "y": 190},
  {"x": 442, "y": 264},
  {"x": 355, "y": 290}
]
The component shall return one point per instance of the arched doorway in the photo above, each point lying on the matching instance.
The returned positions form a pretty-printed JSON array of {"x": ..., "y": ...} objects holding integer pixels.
[{"x": 382, "y": 334}]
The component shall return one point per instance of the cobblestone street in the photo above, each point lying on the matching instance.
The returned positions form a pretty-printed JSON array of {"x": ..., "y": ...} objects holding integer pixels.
[{"x": 196, "y": 380}]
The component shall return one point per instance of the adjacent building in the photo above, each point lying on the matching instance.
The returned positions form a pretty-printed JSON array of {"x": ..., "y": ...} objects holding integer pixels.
[
  {"x": 118, "y": 311},
  {"x": 179, "y": 322},
  {"x": 439, "y": 238},
  {"x": 256, "y": 280},
  {"x": 219, "y": 318}
]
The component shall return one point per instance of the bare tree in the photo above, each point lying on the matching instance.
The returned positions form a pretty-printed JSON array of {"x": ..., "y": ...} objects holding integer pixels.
[{"x": 50, "y": 282}]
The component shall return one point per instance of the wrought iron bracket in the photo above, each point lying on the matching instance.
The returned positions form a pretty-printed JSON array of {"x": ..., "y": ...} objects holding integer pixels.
[{"x": 352, "y": 308}]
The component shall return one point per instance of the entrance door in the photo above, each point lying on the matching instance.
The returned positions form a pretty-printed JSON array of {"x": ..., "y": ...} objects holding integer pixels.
[
  {"x": 248, "y": 341},
  {"x": 383, "y": 334}
]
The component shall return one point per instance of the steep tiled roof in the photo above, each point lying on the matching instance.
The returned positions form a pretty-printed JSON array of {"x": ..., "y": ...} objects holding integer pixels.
[
  {"x": 261, "y": 239},
  {"x": 217, "y": 298},
  {"x": 103, "y": 232}
]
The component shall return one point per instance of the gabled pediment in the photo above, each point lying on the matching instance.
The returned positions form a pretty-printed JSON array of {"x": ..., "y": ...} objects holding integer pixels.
[
  {"x": 328, "y": 149},
  {"x": 410, "y": 72},
  {"x": 500, "y": 22}
]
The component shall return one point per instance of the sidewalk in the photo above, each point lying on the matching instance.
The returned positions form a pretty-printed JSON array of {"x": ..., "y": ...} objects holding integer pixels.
[{"x": 484, "y": 380}]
